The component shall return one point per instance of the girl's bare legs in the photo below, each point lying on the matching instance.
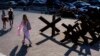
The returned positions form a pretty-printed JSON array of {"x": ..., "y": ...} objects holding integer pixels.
[
  {"x": 4, "y": 24},
  {"x": 23, "y": 39},
  {"x": 11, "y": 23},
  {"x": 29, "y": 41}
]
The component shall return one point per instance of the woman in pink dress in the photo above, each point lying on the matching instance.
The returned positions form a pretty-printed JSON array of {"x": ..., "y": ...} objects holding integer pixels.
[{"x": 25, "y": 27}]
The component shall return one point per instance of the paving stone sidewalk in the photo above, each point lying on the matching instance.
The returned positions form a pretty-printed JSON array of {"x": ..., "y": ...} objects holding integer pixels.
[{"x": 42, "y": 44}]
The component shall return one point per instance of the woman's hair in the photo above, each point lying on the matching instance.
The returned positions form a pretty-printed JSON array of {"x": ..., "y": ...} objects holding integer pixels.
[{"x": 25, "y": 19}]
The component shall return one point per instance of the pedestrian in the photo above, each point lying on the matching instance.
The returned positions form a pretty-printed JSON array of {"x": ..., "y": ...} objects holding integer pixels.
[
  {"x": 25, "y": 27},
  {"x": 11, "y": 16},
  {"x": 4, "y": 19}
]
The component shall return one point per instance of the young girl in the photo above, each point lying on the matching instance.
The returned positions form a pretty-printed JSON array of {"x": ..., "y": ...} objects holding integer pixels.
[
  {"x": 25, "y": 27},
  {"x": 4, "y": 19},
  {"x": 11, "y": 16}
]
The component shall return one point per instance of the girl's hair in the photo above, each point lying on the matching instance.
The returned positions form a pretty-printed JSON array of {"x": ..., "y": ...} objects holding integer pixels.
[{"x": 25, "y": 19}]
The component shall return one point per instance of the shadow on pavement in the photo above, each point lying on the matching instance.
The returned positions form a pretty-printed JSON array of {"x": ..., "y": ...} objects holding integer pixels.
[
  {"x": 73, "y": 48},
  {"x": 13, "y": 52},
  {"x": 87, "y": 50},
  {"x": 3, "y": 32},
  {"x": 47, "y": 38},
  {"x": 22, "y": 51}
]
